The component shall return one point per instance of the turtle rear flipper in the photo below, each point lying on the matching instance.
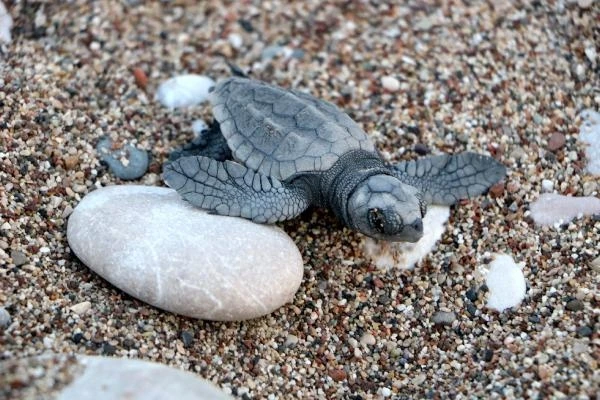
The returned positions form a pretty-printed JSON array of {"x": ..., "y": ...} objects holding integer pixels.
[
  {"x": 209, "y": 143},
  {"x": 446, "y": 179},
  {"x": 229, "y": 188}
]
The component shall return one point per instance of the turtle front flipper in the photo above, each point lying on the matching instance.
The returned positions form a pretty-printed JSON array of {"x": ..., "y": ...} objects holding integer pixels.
[
  {"x": 446, "y": 179},
  {"x": 229, "y": 188}
]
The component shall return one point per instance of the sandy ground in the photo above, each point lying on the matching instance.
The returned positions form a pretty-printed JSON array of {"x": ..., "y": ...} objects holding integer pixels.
[{"x": 495, "y": 79}]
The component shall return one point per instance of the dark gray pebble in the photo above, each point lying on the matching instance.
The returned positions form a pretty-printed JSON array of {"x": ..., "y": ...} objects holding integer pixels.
[
  {"x": 575, "y": 305},
  {"x": 138, "y": 160},
  {"x": 187, "y": 338},
  {"x": 471, "y": 294},
  {"x": 18, "y": 258},
  {"x": 443, "y": 318},
  {"x": 584, "y": 331}
]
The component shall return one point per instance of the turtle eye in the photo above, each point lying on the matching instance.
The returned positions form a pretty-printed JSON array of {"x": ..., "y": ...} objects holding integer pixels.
[
  {"x": 423, "y": 207},
  {"x": 377, "y": 220}
]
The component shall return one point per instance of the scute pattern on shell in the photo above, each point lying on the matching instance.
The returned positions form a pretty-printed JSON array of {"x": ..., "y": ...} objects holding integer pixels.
[{"x": 281, "y": 132}]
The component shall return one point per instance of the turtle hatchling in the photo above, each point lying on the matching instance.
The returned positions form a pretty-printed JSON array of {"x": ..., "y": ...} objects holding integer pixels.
[{"x": 272, "y": 153}]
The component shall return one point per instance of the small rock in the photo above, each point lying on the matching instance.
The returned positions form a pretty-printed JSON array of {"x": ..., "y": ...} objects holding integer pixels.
[
  {"x": 557, "y": 141},
  {"x": 271, "y": 52},
  {"x": 4, "y": 318},
  {"x": 108, "y": 349},
  {"x": 589, "y": 188},
  {"x": 337, "y": 375},
  {"x": 585, "y": 3},
  {"x": 386, "y": 392},
  {"x": 81, "y": 308},
  {"x": 5, "y": 24},
  {"x": 443, "y": 318},
  {"x": 18, "y": 258},
  {"x": 419, "y": 379},
  {"x": 574, "y": 305},
  {"x": 235, "y": 40},
  {"x": 547, "y": 185},
  {"x": 187, "y": 338},
  {"x": 506, "y": 283},
  {"x": 127, "y": 163},
  {"x": 71, "y": 162},
  {"x": 595, "y": 264},
  {"x": 291, "y": 341},
  {"x": 471, "y": 294},
  {"x": 368, "y": 340},
  {"x": 390, "y": 83},
  {"x": 77, "y": 337},
  {"x": 584, "y": 331},
  {"x": 156, "y": 247},
  {"x": 184, "y": 91},
  {"x": 141, "y": 79},
  {"x": 471, "y": 309},
  {"x": 488, "y": 355},
  {"x": 497, "y": 190}
]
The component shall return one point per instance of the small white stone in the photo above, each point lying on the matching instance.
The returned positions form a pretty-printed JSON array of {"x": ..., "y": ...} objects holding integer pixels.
[
  {"x": 158, "y": 248},
  {"x": 184, "y": 91},
  {"x": 386, "y": 392},
  {"x": 547, "y": 185},
  {"x": 589, "y": 134},
  {"x": 368, "y": 340},
  {"x": 390, "y": 83},
  {"x": 4, "y": 318},
  {"x": 553, "y": 208},
  {"x": 81, "y": 308},
  {"x": 291, "y": 340},
  {"x": 5, "y": 24},
  {"x": 506, "y": 283},
  {"x": 235, "y": 40}
]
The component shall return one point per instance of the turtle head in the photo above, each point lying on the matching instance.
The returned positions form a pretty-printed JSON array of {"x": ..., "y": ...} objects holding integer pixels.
[{"x": 384, "y": 208}]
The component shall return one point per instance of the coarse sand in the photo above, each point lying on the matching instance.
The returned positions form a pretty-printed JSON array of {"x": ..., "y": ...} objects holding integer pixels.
[{"x": 489, "y": 77}]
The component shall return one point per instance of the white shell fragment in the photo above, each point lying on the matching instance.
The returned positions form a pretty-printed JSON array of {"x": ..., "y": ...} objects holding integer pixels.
[
  {"x": 184, "y": 91},
  {"x": 506, "y": 283},
  {"x": 589, "y": 133},
  {"x": 151, "y": 244},
  {"x": 6, "y": 22},
  {"x": 404, "y": 255},
  {"x": 553, "y": 208}
]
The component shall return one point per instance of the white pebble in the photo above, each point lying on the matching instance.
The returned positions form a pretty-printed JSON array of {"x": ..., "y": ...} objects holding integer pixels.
[
  {"x": 184, "y": 91},
  {"x": 390, "y": 83},
  {"x": 153, "y": 245},
  {"x": 552, "y": 208},
  {"x": 589, "y": 134},
  {"x": 81, "y": 308},
  {"x": 368, "y": 340},
  {"x": 235, "y": 40},
  {"x": 547, "y": 185},
  {"x": 4, "y": 318},
  {"x": 386, "y": 392},
  {"x": 6, "y": 22},
  {"x": 506, "y": 283}
]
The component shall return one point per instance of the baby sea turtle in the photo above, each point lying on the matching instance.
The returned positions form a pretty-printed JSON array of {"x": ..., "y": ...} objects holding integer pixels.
[{"x": 280, "y": 151}]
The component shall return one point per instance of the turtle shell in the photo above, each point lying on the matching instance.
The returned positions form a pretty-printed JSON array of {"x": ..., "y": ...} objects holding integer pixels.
[{"x": 282, "y": 133}]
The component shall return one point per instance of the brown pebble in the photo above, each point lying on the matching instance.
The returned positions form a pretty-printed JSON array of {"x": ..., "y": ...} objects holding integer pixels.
[
  {"x": 557, "y": 140},
  {"x": 71, "y": 162},
  {"x": 513, "y": 187},
  {"x": 378, "y": 283},
  {"x": 141, "y": 79},
  {"x": 337, "y": 374},
  {"x": 497, "y": 190}
]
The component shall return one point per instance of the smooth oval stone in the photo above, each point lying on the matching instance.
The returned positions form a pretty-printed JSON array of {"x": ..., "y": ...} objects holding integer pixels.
[
  {"x": 156, "y": 247},
  {"x": 91, "y": 377}
]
